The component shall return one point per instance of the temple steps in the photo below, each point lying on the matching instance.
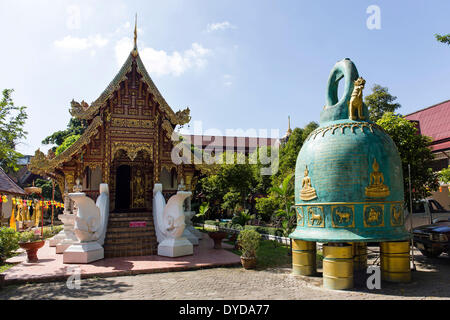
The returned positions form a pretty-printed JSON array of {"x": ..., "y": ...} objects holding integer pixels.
[
  {"x": 129, "y": 234},
  {"x": 126, "y": 228},
  {"x": 124, "y": 241},
  {"x": 130, "y": 252}
]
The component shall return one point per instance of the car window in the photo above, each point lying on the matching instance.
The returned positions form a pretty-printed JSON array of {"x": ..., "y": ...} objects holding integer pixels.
[
  {"x": 418, "y": 207},
  {"x": 435, "y": 206}
]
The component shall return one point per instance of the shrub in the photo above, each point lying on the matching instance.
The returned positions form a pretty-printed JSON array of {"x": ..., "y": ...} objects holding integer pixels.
[
  {"x": 211, "y": 222},
  {"x": 31, "y": 236},
  {"x": 28, "y": 236},
  {"x": 242, "y": 217},
  {"x": 9, "y": 242},
  {"x": 249, "y": 242},
  {"x": 267, "y": 206}
]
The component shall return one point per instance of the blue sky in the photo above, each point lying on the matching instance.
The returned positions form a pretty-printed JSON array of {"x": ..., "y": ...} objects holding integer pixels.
[{"x": 236, "y": 64}]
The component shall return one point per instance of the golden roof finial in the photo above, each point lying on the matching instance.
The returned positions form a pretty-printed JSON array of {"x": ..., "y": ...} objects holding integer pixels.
[
  {"x": 135, "y": 31},
  {"x": 289, "y": 131},
  {"x": 134, "y": 52}
]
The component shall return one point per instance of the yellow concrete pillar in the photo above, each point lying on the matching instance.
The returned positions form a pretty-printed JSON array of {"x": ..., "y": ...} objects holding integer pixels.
[
  {"x": 395, "y": 265},
  {"x": 303, "y": 257},
  {"x": 337, "y": 266},
  {"x": 359, "y": 251}
]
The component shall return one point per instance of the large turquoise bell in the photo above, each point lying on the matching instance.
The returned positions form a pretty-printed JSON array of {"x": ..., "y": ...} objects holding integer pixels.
[{"x": 348, "y": 175}]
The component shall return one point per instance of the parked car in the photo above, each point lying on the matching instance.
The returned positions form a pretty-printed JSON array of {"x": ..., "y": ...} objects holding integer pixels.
[
  {"x": 425, "y": 212},
  {"x": 433, "y": 239}
]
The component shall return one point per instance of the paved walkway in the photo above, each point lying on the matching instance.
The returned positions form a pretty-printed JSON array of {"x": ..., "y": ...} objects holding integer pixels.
[
  {"x": 50, "y": 266},
  {"x": 430, "y": 281}
]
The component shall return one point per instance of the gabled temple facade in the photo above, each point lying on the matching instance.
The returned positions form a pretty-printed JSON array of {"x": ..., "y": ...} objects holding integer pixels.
[{"x": 127, "y": 144}]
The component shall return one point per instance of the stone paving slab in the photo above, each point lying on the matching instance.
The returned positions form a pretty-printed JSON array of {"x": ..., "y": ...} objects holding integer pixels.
[
  {"x": 50, "y": 266},
  {"x": 430, "y": 281}
]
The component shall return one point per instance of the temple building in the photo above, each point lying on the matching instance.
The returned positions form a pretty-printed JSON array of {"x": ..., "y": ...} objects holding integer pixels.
[
  {"x": 127, "y": 144},
  {"x": 434, "y": 122}
]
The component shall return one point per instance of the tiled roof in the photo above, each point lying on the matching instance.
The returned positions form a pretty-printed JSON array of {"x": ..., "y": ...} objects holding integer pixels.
[
  {"x": 434, "y": 121},
  {"x": 7, "y": 185}
]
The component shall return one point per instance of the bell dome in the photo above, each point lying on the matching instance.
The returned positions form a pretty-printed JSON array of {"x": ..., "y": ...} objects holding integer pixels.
[{"x": 348, "y": 175}]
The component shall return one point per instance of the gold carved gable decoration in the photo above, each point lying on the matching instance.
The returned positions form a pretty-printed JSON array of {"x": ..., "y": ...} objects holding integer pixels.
[{"x": 132, "y": 148}]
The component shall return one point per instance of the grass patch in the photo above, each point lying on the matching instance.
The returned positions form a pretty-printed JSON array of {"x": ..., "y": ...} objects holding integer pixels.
[
  {"x": 205, "y": 230},
  {"x": 270, "y": 254},
  {"x": 6, "y": 266}
]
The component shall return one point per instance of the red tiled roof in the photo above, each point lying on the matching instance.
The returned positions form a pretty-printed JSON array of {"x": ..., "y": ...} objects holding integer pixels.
[
  {"x": 7, "y": 185},
  {"x": 434, "y": 121},
  {"x": 440, "y": 146}
]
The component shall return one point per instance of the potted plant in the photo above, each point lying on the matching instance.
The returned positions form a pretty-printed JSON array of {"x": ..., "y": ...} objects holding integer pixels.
[
  {"x": 34, "y": 239},
  {"x": 31, "y": 242},
  {"x": 249, "y": 243}
]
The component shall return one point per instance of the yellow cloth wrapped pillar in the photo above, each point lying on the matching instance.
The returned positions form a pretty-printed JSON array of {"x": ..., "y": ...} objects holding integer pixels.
[
  {"x": 337, "y": 266},
  {"x": 12, "y": 220},
  {"x": 37, "y": 214},
  {"x": 395, "y": 265},
  {"x": 303, "y": 257}
]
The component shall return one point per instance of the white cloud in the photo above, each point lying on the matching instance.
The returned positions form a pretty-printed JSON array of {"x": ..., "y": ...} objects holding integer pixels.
[
  {"x": 219, "y": 26},
  {"x": 74, "y": 18},
  {"x": 159, "y": 62},
  {"x": 227, "y": 80},
  {"x": 75, "y": 43}
]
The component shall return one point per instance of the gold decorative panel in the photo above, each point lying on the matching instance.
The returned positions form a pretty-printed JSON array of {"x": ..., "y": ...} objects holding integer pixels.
[
  {"x": 316, "y": 217},
  {"x": 374, "y": 215},
  {"x": 397, "y": 214},
  {"x": 131, "y": 148},
  {"x": 343, "y": 216}
]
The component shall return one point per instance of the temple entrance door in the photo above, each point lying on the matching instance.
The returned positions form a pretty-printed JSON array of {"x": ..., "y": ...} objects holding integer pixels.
[{"x": 123, "y": 195}]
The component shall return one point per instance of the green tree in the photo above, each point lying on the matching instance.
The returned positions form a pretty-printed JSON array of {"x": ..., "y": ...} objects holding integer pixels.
[
  {"x": 230, "y": 200},
  {"x": 444, "y": 175},
  {"x": 12, "y": 120},
  {"x": 75, "y": 127},
  {"x": 267, "y": 207},
  {"x": 443, "y": 39},
  {"x": 285, "y": 193},
  {"x": 414, "y": 150},
  {"x": 47, "y": 189},
  {"x": 68, "y": 141},
  {"x": 379, "y": 102}
]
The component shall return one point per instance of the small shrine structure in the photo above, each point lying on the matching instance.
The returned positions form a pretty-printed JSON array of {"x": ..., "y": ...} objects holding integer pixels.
[{"x": 127, "y": 144}]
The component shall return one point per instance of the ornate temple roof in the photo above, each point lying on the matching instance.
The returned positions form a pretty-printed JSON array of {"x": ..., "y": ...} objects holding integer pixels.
[
  {"x": 85, "y": 111},
  {"x": 42, "y": 164}
]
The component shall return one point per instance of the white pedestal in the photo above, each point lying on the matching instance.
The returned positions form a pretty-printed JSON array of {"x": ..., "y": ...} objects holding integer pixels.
[
  {"x": 70, "y": 237},
  {"x": 188, "y": 235},
  {"x": 57, "y": 238},
  {"x": 190, "y": 227},
  {"x": 83, "y": 252},
  {"x": 175, "y": 248}
]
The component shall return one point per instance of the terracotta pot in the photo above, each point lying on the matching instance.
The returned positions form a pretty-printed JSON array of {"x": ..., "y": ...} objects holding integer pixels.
[
  {"x": 217, "y": 236},
  {"x": 248, "y": 263},
  {"x": 32, "y": 248}
]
